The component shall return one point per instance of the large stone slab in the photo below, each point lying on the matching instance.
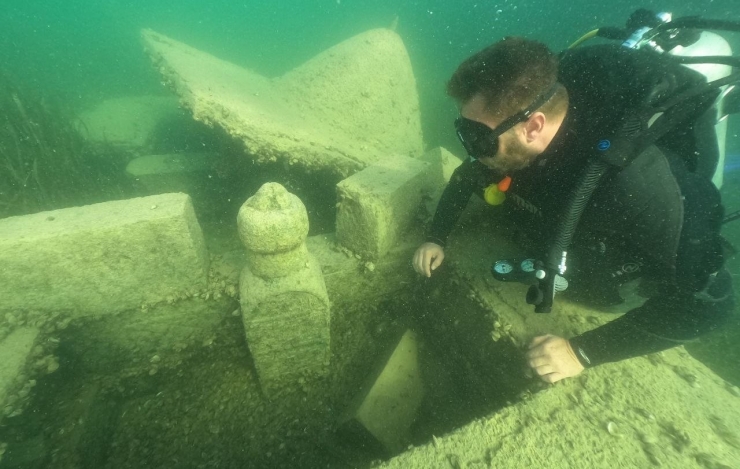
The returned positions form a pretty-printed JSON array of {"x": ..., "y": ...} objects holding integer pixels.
[
  {"x": 128, "y": 121},
  {"x": 342, "y": 110},
  {"x": 378, "y": 204},
  {"x": 102, "y": 258}
]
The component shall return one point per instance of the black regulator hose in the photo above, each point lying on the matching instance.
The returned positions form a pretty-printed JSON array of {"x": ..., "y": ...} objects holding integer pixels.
[
  {"x": 695, "y": 22},
  {"x": 542, "y": 294},
  {"x": 647, "y": 18}
]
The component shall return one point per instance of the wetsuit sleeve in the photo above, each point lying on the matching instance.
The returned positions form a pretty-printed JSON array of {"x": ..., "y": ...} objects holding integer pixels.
[
  {"x": 696, "y": 301},
  {"x": 662, "y": 322},
  {"x": 469, "y": 177}
]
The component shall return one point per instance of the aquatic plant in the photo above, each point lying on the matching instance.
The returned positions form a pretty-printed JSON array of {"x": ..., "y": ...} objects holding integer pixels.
[{"x": 45, "y": 163}]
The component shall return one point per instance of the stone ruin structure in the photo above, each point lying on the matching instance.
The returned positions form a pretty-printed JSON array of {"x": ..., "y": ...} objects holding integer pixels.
[
  {"x": 285, "y": 307},
  {"x": 137, "y": 277}
]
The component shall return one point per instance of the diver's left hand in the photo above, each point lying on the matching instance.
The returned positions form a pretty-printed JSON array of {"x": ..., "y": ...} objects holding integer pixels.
[{"x": 552, "y": 358}]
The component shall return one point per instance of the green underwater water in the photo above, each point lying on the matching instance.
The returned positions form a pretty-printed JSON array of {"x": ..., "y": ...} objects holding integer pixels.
[
  {"x": 89, "y": 50},
  {"x": 82, "y": 52}
]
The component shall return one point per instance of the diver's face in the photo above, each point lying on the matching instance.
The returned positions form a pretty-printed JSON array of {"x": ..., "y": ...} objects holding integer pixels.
[{"x": 513, "y": 152}]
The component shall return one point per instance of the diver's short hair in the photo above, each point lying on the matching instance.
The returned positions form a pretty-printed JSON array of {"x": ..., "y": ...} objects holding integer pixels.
[{"x": 509, "y": 74}]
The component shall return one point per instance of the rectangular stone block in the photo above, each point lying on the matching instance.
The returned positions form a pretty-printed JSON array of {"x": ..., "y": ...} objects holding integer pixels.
[
  {"x": 102, "y": 258},
  {"x": 172, "y": 172},
  {"x": 15, "y": 350},
  {"x": 389, "y": 404},
  {"x": 379, "y": 203}
]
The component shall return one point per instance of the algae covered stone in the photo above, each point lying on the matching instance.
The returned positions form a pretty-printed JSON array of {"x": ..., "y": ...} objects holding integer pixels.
[{"x": 272, "y": 221}]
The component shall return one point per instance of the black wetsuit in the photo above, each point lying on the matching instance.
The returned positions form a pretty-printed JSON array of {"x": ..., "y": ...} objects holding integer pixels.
[{"x": 659, "y": 218}]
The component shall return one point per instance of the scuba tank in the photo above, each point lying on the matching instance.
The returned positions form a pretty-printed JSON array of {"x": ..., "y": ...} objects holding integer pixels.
[
  {"x": 652, "y": 31},
  {"x": 710, "y": 43}
]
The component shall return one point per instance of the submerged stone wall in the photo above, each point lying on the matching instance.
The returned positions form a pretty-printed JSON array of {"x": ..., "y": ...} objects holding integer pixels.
[{"x": 101, "y": 258}]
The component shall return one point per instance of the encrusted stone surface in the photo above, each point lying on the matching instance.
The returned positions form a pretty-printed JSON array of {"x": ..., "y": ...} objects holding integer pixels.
[
  {"x": 285, "y": 307},
  {"x": 636, "y": 413},
  {"x": 102, "y": 258},
  {"x": 390, "y": 403},
  {"x": 344, "y": 109},
  {"x": 272, "y": 221},
  {"x": 15, "y": 350},
  {"x": 286, "y": 321},
  {"x": 278, "y": 265},
  {"x": 379, "y": 203},
  {"x": 443, "y": 162}
]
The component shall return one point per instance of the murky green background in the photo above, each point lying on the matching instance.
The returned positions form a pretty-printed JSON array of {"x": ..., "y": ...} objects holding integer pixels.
[
  {"x": 82, "y": 52},
  {"x": 89, "y": 50}
]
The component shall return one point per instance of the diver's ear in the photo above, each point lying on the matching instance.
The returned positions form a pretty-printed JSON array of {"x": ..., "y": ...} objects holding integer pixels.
[{"x": 534, "y": 125}]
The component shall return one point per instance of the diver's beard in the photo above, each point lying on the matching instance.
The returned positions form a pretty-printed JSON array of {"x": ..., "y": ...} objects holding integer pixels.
[
  {"x": 509, "y": 165},
  {"x": 515, "y": 159}
]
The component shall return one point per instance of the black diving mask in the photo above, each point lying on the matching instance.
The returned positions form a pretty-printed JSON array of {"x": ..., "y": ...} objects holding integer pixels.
[{"x": 481, "y": 141}]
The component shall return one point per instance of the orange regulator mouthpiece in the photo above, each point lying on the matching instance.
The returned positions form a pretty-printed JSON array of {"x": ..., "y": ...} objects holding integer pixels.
[{"x": 504, "y": 184}]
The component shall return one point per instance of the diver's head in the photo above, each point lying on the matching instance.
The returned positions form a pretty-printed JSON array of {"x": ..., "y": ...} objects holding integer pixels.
[{"x": 511, "y": 104}]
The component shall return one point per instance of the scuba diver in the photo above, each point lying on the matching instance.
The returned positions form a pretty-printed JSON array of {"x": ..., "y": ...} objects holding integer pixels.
[{"x": 602, "y": 159}]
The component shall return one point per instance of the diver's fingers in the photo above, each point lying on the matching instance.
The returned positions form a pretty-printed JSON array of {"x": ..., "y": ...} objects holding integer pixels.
[
  {"x": 438, "y": 260},
  {"x": 538, "y": 340},
  {"x": 544, "y": 370},
  {"x": 537, "y": 362},
  {"x": 427, "y": 262},
  {"x": 553, "y": 377},
  {"x": 415, "y": 262},
  {"x": 418, "y": 261}
]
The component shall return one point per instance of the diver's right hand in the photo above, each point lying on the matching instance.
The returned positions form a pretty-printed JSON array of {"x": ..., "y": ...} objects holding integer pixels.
[{"x": 428, "y": 257}]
